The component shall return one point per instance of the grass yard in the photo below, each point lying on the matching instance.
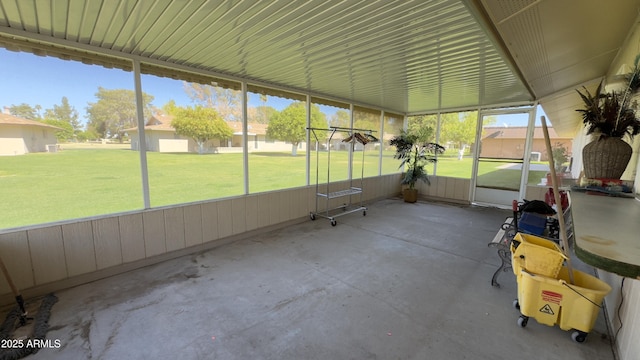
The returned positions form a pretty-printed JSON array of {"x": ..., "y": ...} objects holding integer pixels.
[{"x": 74, "y": 183}]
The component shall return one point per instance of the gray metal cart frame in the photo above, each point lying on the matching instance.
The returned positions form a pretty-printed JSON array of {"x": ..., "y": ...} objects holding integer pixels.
[{"x": 349, "y": 193}]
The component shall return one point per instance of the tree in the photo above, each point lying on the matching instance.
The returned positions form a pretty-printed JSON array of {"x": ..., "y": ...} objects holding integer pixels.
[
  {"x": 115, "y": 111},
  {"x": 225, "y": 101},
  {"x": 341, "y": 118},
  {"x": 201, "y": 124},
  {"x": 265, "y": 116},
  {"x": 64, "y": 112},
  {"x": 423, "y": 126},
  {"x": 366, "y": 120},
  {"x": 66, "y": 132},
  {"x": 170, "y": 107},
  {"x": 290, "y": 124},
  {"x": 87, "y": 135},
  {"x": 25, "y": 111},
  {"x": 455, "y": 128},
  {"x": 460, "y": 131},
  {"x": 260, "y": 114}
]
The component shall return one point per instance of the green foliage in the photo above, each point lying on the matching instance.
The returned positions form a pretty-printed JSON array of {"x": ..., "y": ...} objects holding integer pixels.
[
  {"x": 225, "y": 101},
  {"x": 415, "y": 154},
  {"x": 423, "y": 127},
  {"x": 170, "y": 107},
  {"x": 115, "y": 111},
  {"x": 201, "y": 124},
  {"x": 103, "y": 181},
  {"x": 612, "y": 114},
  {"x": 25, "y": 111},
  {"x": 66, "y": 132},
  {"x": 341, "y": 118},
  {"x": 453, "y": 128},
  {"x": 263, "y": 114},
  {"x": 290, "y": 124},
  {"x": 459, "y": 131},
  {"x": 87, "y": 135},
  {"x": 560, "y": 155},
  {"x": 64, "y": 112},
  {"x": 366, "y": 120}
]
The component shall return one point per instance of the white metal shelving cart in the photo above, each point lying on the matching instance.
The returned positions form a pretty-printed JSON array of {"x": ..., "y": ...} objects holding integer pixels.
[{"x": 354, "y": 136}]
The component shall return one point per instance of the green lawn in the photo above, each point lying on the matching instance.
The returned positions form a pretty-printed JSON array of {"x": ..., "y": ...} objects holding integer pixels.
[{"x": 42, "y": 187}]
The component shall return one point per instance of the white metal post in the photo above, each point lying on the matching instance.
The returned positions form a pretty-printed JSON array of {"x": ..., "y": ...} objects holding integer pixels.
[
  {"x": 142, "y": 151},
  {"x": 245, "y": 137}
]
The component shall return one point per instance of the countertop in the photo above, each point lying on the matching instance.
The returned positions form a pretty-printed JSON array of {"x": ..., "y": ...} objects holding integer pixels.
[{"x": 607, "y": 232}]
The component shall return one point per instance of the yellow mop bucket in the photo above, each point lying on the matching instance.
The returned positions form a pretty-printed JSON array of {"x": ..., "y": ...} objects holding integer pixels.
[
  {"x": 555, "y": 301},
  {"x": 536, "y": 255}
]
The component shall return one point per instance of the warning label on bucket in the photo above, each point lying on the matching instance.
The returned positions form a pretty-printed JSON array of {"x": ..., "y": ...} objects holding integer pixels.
[
  {"x": 547, "y": 309},
  {"x": 552, "y": 297}
]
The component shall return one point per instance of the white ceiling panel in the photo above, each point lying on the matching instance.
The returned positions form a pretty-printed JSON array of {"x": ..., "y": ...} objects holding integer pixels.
[
  {"x": 407, "y": 56},
  {"x": 560, "y": 45},
  {"x": 396, "y": 55}
]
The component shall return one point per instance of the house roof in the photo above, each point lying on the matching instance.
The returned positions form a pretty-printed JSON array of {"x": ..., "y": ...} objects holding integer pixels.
[
  {"x": 253, "y": 128},
  {"x": 7, "y": 119},
  {"x": 162, "y": 122},
  {"x": 519, "y": 132}
]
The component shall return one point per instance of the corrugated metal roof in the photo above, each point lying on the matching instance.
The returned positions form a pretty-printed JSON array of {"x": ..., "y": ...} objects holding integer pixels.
[
  {"x": 561, "y": 45},
  {"x": 407, "y": 56},
  {"x": 404, "y": 56}
]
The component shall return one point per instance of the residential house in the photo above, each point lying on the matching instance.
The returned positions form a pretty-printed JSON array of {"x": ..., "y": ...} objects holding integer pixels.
[
  {"x": 507, "y": 142},
  {"x": 20, "y": 136},
  {"x": 160, "y": 136}
]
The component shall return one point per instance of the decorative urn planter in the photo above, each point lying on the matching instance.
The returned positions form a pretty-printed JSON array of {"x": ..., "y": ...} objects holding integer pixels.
[{"x": 606, "y": 158}]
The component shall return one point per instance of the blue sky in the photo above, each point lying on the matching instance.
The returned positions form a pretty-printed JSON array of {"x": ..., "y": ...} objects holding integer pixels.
[
  {"x": 43, "y": 81},
  {"x": 38, "y": 80}
]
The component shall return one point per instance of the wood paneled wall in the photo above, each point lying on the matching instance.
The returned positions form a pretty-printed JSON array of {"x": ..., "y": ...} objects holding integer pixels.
[{"x": 49, "y": 257}]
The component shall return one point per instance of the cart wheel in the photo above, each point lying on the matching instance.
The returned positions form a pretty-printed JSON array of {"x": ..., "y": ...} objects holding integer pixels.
[
  {"x": 523, "y": 320},
  {"x": 334, "y": 223},
  {"x": 579, "y": 336},
  {"x": 312, "y": 216},
  {"x": 516, "y": 304},
  {"x": 364, "y": 213}
]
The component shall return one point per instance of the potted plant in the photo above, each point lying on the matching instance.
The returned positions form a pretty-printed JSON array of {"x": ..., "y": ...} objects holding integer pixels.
[
  {"x": 415, "y": 154},
  {"x": 609, "y": 117}
]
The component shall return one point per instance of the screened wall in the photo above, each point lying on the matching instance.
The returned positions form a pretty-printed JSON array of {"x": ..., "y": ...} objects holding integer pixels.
[{"x": 199, "y": 137}]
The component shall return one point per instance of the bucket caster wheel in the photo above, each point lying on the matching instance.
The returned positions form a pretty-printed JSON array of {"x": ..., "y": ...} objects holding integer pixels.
[
  {"x": 312, "y": 216},
  {"x": 523, "y": 320},
  {"x": 516, "y": 304},
  {"x": 579, "y": 336},
  {"x": 334, "y": 223}
]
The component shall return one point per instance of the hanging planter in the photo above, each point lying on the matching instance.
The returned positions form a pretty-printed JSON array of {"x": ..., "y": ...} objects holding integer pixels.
[{"x": 610, "y": 117}]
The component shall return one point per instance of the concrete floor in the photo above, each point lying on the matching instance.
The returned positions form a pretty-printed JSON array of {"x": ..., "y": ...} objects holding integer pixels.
[{"x": 408, "y": 281}]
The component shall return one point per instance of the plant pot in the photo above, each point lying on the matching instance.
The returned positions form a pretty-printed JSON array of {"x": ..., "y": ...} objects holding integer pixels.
[
  {"x": 410, "y": 195},
  {"x": 606, "y": 158}
]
